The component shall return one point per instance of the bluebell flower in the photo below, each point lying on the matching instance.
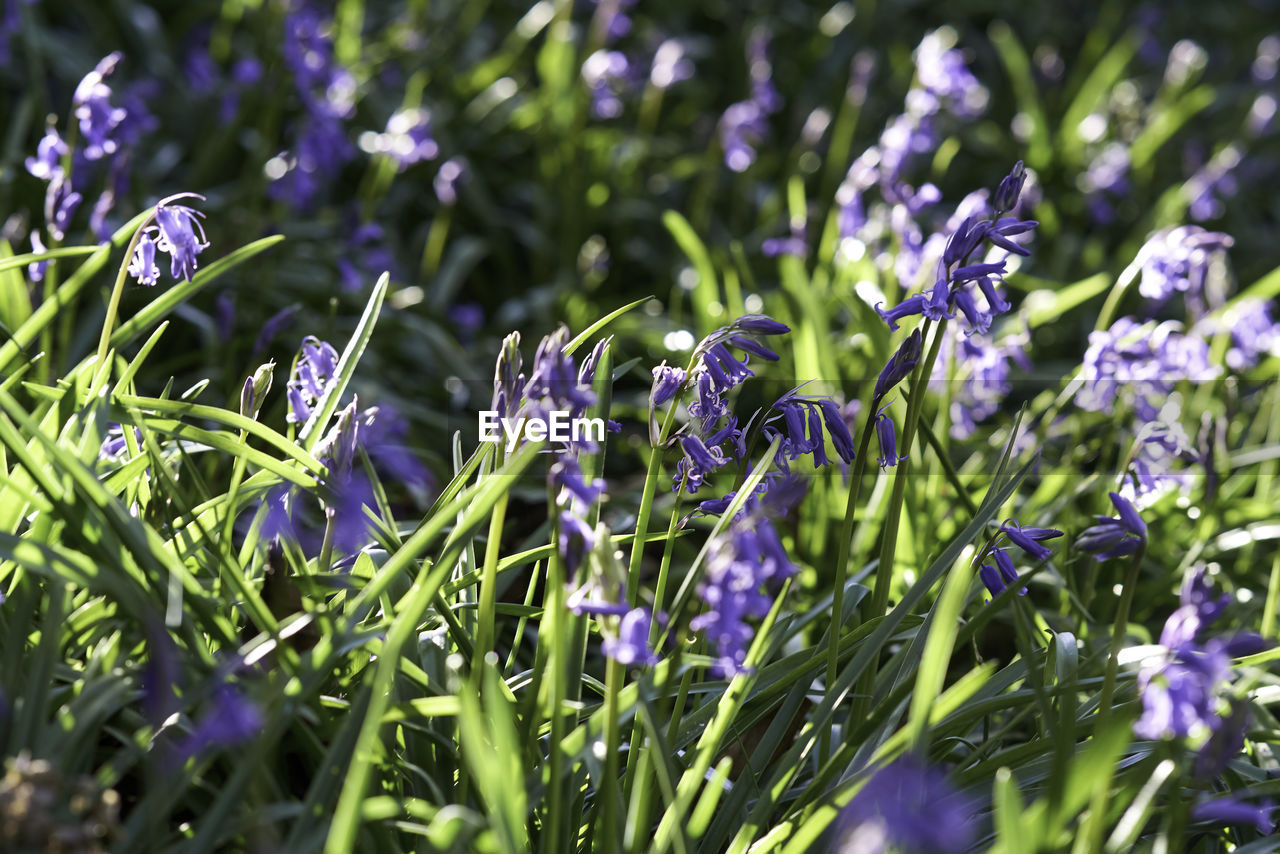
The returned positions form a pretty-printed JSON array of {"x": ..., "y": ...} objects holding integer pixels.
[
  {"x": 577, "y": 539},
  {"x": 1143, "y": 360},
  {"x": 982, "y": 370},
  {"x": 805, "y": 423},
  {"x": 742, "y": 128},
  {"x": 554, "y": 382},
  {"x": 609, "y": 76},
  {"x": 143, "y": 264},
  {"x": 1114, "y": 537},
  {"x": 887, "y": 437},
  {"x": 1181, "y": 690},
  {"x": 908, "y": 806},
  {"x": 566, "y": 476},
  {"x": 1006, "y": 197},
  {"x": 942, "y": 73},
  {"x": 315, "y": 369},
  {"x": 1159, "y": 447},
  {"x": 114, "y": 447},
  {"x": 98, "y": 118},
  {"x": 231, "y": 720},
  {"x": 957, "y": 277},
  {"x": 408, "y": 138},
  {"x": 1029, "y": 539},
  {"x": 698, "y": 463},
  {"x": 451, "y": 174},
  {"x": 255, "y": 390},
  {"x": 177, "y": 232},
  {"x": 1255, "y": 335},
  {"x": 667, "y": 380},
  {"x": 36, "y": 270},
  {"x": 49, "y": 153},
  {"x": 60, "y": 205},
  {"x": 899, "y": 366},
  {"x": 1231, "y": 810},
  {"x": 909, "y": 306},
  {"x": 746, "y": 557},
  {"x": 327, "y": 91},
  {"x": 509, "y": 379},
  {"x": 1106, "y": 182},
  {"x": 1178, "y": 260},
  {"x": 631, "y": 646}
]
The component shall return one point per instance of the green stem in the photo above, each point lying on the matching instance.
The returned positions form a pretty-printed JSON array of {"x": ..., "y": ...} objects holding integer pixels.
[
  {"x": 889, "y": 542},
  {"x": 1117, "y": 635},
  {"x": 113, "y": 306},
  {"x": 843, "y": 547}
]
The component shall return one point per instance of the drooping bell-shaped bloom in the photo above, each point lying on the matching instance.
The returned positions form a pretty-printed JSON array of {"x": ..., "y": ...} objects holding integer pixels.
[
  {"x": 1114, "y": 537},
  {"x": 180, "y": 235},
  {"x": 98, "y": 118},
  {"x": 887, "y": 436},
  {"x": 666, "y": 382},
  {"x": 631, "y": 646},
  {"x": 899, "y": 366},
  {"x": 49, "y": 153},
  {"x": 143, "y": 265}
]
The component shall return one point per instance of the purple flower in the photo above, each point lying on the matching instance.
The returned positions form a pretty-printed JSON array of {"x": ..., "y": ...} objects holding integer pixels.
[
  {"x": 899, "y": 366},
  {"x": 1178, "y": 260},
  {"x": 885, "y": 434},
  {"x": 1030, "y": 539},
  {"x": 231, "y": 720},
  {"x": 1254, "y": 334},
  {"x": 608, "y": 76},
  {"x": 1006, "y": 197},
  {"x": 1144, "y": 361},
  {"x": 907, "y": 806},
  {"x": 508, "y": 380},
  {"x": 670, "y": 65},
  {"x": 114, "y": 446},
  {"x": 1229, "y": 810},
  {"x": 577, "y": 539},
  {"x": 806, "y": 423},
  {"x": 315, "y": 369},
  {"x": 452, "y": 173},
  {"x": 408, "y": 139},
  {"x": 566, "y": 477},
  {"x": 759, "y": 324},
  {"x": 49, "y": 152},
  {"x": 742, "y": 128},
  {"x": 666, "y": 382},
  {"x": 143, "y": 264},
  {"x": 36, "y": 270},
  {"x": 906, "y": 308},
  {"x": 177, "y": 232},
  {"x": 60, "y": 205},
  {"x": 1114, "y": 537},
  {"x": 745, "y": 558},
  {"x": 98, "y": 118},
  {"x": 631, "y": 646},
  {"x": 983, "y": 370},
  {"x": 944, "y": 76}
]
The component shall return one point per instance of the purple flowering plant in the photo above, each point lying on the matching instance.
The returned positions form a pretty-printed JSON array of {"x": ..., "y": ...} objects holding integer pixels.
[{"x": 319, "y": 612}]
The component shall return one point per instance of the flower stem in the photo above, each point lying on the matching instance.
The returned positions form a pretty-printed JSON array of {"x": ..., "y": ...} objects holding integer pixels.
[
  {"x": 843, "y": 548},
  {"x": 1117, "y": 635},
  {"x": 113, "y": 306}
]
